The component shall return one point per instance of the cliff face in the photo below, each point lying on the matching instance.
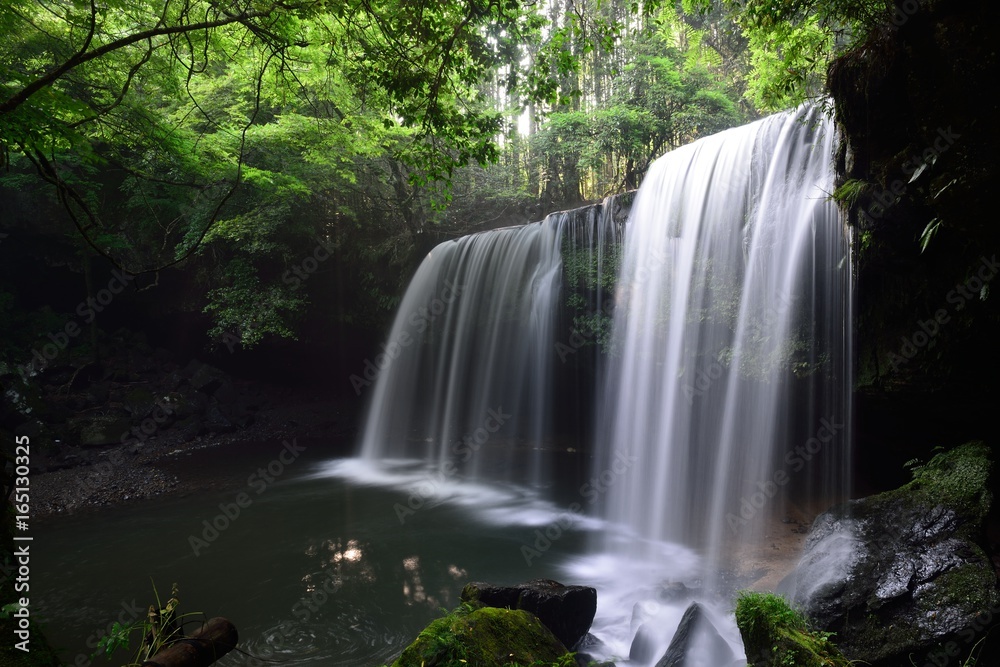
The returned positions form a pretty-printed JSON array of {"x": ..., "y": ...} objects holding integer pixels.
[{"x": 917, "y": 163}]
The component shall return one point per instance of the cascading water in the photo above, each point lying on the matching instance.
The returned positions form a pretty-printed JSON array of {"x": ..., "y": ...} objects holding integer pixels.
[
  {"x": 724, "y": 401},
  {"x": 731, "y": 365},
  {"x": 466, "y": 379}
]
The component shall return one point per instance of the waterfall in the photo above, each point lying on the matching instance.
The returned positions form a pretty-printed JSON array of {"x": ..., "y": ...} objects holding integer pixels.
[
  {"x": 719, "y": 406},
  {"x": 468, "y": 378},
  {"x": 731, "y": 366},
  {"x": 729, "y": 380}
]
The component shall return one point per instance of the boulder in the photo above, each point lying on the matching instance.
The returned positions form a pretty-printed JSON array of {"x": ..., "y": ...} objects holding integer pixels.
[
  {"x": 139, "y": 401},
  {"x": 903, "y": 573},
  {"x": 697, "y": 643},
  {"x": 567, "y": 611},
  {"x": 774, "y": 635},
  {"x": 484, "y": 637},
  {"x": 182, "y": 405},
  {"x": 643, "y": 647},
  {"x": 587, "y": 650},
  {"x": 204, "y": 377}
]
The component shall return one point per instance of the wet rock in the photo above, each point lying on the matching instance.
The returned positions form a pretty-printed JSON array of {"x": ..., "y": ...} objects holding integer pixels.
[
  {"x": 901, "y": 573},
  {"x": 567, "y": 611},
  {"x": 207, "y": 378},
  {"x": 643, "y": 648},
  {"x": 189, "y": 428},
  {"x": 187, "y": 403},
  {"x": 673, "y": 591},
  {"x": 226, "y": 393},
  {"x": 244, "y": 420},
  {"x": 697, "y": 643},
  {"x": 586, "y": 650}
]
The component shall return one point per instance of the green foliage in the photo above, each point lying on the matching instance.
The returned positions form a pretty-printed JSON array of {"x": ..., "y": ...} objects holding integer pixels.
[
  {"x": 849, "y": 192},
  {"x": 226, "y": 139},
  {"x": 487, "y": 637},
  {"x": 775, "y": 635},
  {"x": 669, "y": 92},
  {"x": 791, "y": 43},
  {"x": 958, "y": 477},
  {"x": 229, "y": 137},
  {"x": 249, "y": 311},
  {"x": 930, "y": 230},
  {"x": 161, "y": 627}
]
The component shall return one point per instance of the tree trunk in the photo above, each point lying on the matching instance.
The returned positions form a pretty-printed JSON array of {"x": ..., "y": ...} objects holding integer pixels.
[{"x": 209, "y": 643}]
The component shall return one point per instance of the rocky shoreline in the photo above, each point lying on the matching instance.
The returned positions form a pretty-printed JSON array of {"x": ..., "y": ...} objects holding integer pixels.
[
  {"x": 121, "y": 474},
  {"x": 121, "y": 430}
]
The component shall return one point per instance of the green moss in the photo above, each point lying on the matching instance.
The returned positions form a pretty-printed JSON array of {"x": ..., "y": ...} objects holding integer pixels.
[
  {"x": 775, "y": 635},
  {"x": 949, "y": 497},
  {"x": 957, "y": 478},
  {"x": 486, "y": 637},
  {"x": 964, "y": 586}
]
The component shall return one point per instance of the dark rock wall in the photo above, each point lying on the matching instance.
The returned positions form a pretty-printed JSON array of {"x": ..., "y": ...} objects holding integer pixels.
[{"x": 919, "y": 149}]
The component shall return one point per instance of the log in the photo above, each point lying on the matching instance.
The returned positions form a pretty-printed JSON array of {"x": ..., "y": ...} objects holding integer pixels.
[{"x": 214, "y": 639}]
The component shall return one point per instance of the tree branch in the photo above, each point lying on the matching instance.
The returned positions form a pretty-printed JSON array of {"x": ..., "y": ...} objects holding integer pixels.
[{"x": 84, "y": 56}]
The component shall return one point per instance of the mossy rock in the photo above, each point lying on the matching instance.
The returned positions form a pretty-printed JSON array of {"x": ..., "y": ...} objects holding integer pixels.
[
  {"x": 775, "y": 635},
  {"x": 485, "y": 637},
  {"x": 903, "y": 572},
  {"x": 139, "y": 402},
  {"x": 958, "y": 478}
]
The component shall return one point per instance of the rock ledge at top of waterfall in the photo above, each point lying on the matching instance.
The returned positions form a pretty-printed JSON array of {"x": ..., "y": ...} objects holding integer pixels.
[{"x": 904, "y": 573}]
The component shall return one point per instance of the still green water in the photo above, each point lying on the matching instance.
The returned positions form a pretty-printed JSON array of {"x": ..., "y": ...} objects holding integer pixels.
[{"x": 315, "y": 569}]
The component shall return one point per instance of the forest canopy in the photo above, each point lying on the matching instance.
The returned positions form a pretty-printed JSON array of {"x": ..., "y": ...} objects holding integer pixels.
[{"x": 231, "y": 139}]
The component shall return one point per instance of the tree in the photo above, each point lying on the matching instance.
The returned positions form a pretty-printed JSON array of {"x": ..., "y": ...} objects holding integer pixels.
[
  {"x": 163, "y": 125},
  {"x": 136, "y": 85},
  {"x": 791, "y": 43}
]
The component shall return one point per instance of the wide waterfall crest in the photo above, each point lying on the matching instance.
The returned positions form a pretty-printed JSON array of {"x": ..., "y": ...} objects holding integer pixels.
[
  {"x": 472, "y": 392},
  {"x": 729, "y": 379},
  {"x": 732, "y": 335},
  {"x": 721, "y": 414}
]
